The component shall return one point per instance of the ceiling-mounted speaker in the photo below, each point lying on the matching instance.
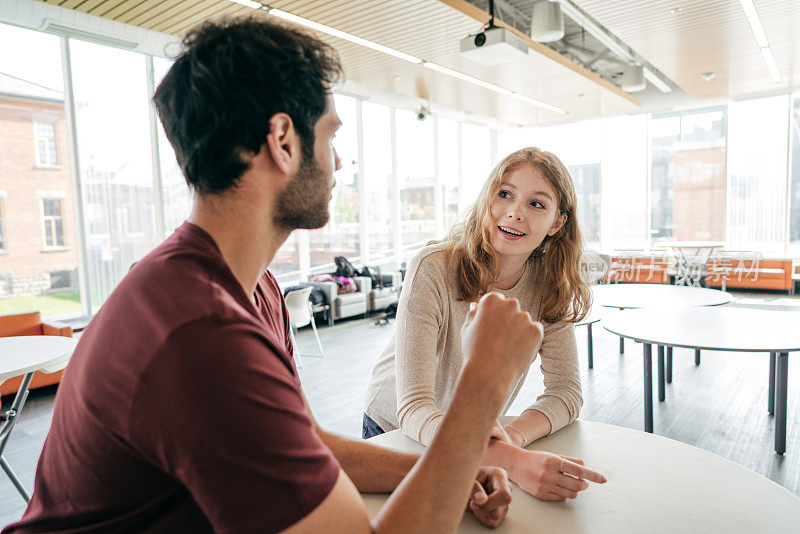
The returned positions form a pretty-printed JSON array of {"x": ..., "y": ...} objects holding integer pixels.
[
  {"x": 547, "y": 22},
  {"x": 633, "y": 79}
]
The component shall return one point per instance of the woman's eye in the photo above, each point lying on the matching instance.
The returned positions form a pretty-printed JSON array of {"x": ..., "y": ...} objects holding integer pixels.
[
  {"x": 537, "y": 204},
  {"x": 504, "y": 194}
]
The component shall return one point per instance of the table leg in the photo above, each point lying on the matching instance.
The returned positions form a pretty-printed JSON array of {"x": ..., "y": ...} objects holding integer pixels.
[
  {"x": 5, "y": 432},
  {"x": 661, "y": 385},
  {"x": 14, "y": 479},
  {"x": 590, "y": 345},
  {"x": 669, "y": 365},
  {"x": 771, "y": 394},
  {"x": 697, "y": 356},
  {"x": 622, "y": 345},
  {"x": 648, "y": 387},
  {"x": 781, "y": 383}
]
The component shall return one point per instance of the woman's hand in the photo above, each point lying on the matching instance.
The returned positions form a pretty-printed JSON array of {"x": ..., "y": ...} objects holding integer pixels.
[
  {"x": 550, "y": 477},
  {"x": 491, "y": 495},
  {"x": 499, "y": 433}
]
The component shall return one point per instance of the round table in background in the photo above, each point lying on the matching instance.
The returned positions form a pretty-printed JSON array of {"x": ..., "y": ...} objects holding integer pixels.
[
  {"x": 24, "y": 355},
  {"x": 626, "y": 296},
  {"x": 629, "y": 296},
  {"x": 655, "y": 485},
  {"x": 717, "y": 329}
]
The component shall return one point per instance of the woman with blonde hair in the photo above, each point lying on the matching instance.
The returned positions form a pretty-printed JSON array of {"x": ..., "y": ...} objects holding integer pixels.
[{"x": 521, "y": 238}]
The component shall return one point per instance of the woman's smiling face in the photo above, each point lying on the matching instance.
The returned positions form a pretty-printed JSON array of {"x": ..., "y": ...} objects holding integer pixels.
[{"x": 524, "y": 210}]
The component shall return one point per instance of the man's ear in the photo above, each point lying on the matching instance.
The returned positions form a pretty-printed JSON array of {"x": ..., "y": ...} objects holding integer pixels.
[
  {"x": 283, "y": 144},
  {"x": 557, "y": 224}
]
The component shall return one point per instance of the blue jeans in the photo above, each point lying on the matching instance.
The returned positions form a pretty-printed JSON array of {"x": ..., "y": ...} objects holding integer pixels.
[{"x": 370, "y": 428}]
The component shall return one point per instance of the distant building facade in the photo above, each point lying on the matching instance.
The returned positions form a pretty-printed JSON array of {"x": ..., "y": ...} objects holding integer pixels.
[{"x": 38, "y": 253}]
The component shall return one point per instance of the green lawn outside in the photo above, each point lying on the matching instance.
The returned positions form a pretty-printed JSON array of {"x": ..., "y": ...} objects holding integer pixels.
[{"x": 47, "y": 305}]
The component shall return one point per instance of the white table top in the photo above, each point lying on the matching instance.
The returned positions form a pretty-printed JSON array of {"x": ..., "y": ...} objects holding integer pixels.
[
  {"x": 22, "y": 354},
  {"x": 693, "y": 244},
  {"x": 655, "y": 485},
  {"x": 657, "y": 296},
  {"x": 711, "y": 328}
]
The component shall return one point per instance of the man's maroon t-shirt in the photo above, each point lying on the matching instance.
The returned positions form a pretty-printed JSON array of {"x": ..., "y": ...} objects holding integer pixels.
[{"x": 181, "y": 409}]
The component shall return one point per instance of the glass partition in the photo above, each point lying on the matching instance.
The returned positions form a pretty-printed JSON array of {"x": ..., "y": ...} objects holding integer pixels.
[
  {"x": 415, "y": 173},
  {"x": 38, "y": 237},
  {"x": 378, "y": 180},
  {"x": 340, "y": 236},
  {"x": 113, "y": 132}
]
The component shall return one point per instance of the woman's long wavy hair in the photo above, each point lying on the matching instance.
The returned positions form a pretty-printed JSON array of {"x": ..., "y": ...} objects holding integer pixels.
[{"x": 475, "y": 261}]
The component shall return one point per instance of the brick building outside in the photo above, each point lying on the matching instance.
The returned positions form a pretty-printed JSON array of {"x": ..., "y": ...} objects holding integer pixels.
[{"x": 38, "y": 253}]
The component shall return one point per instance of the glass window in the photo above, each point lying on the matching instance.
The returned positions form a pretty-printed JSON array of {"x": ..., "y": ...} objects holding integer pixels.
[
  {"x": 286, "y": 263},
  {"x": 415, "y": 173},
  {"x": 687, "y": 177},
  {"x": 340, "y": 237},
  {"x": 177, "y": 197},
  {"x": 757, "y": 137},
  {"x": 113, "y": 132},
  {"x": 378, "y": 180},
  {"x": 794, "y": 206},
  {"x": 52, "y": 223},
  {"x": 579, "y": 147},
  {"x": 2, "y": 225},
  {"x": 449, "y": 169},
  {"x": 623, "y": 194},
  {"x": 587, "y": 187},
  {"x": 44, "y": 134},
  {"x": 476, "y": 161},
  {"x": 39, "y": 264}
]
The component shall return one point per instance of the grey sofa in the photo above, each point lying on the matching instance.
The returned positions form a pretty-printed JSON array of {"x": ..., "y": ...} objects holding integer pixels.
[
  {"x": 380, "y": 297},
  {"x": 347, "y": 304}
]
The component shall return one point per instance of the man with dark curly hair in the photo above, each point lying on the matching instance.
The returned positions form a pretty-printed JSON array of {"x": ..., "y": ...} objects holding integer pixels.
[{"x": 182, "y": 410}]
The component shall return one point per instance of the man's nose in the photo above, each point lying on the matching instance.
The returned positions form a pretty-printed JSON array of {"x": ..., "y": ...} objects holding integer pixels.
[{"x": 336, "y": 160}]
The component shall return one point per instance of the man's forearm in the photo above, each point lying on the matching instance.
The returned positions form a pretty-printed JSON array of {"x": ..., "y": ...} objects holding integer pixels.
[
  {"x": 373, "y": 469},
  {"x": 438, "y": 487}
]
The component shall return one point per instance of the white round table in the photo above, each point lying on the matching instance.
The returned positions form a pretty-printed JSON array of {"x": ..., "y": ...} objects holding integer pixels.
[
  {"x": 627, "y": 296},
  {"x": 718, "y": 329},
  {"x": 24, "y": 355},
  {"x": 655, "y": 485}
]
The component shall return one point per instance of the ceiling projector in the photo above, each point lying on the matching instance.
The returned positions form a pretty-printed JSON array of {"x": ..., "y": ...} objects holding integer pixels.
[{"x": 494, "y": 46}]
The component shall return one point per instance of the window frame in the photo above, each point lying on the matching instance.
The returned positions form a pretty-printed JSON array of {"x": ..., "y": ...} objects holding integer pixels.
[
  {"x": 48, "y": 221},
  {"x": 3, "y": 234},
  {"x": 40, "y": 163}
]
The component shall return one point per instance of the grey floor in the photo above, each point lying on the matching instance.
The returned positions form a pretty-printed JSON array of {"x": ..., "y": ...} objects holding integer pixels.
[{"x": 720, "y": 406}]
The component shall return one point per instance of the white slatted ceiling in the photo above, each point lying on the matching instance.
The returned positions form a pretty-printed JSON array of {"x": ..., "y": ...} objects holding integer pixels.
[
  {"x": 428, "y": 29},
  {"x": 707, "y": 36}
]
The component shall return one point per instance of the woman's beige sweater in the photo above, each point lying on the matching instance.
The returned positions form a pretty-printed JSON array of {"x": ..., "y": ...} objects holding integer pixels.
[{"x": 415, "y": 378}]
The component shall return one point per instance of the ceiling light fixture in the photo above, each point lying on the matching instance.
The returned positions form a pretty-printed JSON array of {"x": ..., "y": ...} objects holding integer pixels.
[
  {"x": 633, "y": 79},
  {"x": 611, "y": 42},
  {"x": 772, "y": 66},
  {"x": 249, "y": 3},
  {"x": 761, "y": 39},
  {"x": 547, "y": 23},
  {"x": 466, "y": 78},
  {"x": 755, "y": 22},
  {"x": 538, "y": 103},
  {"x": 342, "y": 35}
]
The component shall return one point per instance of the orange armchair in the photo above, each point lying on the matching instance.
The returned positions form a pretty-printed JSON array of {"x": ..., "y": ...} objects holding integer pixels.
[{"x": 30, "y": 324}]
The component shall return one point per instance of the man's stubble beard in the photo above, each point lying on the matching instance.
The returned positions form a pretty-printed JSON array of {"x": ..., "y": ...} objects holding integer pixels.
[{"x": 303, "y": 204}]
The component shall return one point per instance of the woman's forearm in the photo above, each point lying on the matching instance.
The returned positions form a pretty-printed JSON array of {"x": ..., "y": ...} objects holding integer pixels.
[{"x": 532, "y": 424}]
